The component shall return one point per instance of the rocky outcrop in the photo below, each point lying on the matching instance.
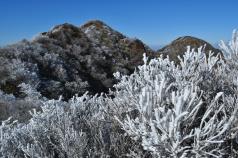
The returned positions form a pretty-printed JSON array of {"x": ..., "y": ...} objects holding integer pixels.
[{"x": 179, "y": 46}]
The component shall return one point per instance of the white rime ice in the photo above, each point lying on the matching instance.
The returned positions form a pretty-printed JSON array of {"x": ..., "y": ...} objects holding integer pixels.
[{"x": 161, "y": 110}]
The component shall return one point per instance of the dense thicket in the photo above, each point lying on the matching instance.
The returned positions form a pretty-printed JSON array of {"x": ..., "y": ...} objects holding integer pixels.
[{"x": 161, "y": 110}]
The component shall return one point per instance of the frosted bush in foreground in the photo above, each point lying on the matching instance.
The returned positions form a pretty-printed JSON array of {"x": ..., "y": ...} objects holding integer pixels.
[
  {"x": 80, "y": 127},
  {"x": 48, "y": 134},
  {"x": 177, "y": 112},
  {"x": 184, "y": 111},
  {"x": 53, "y": 132},
  {"x": 161, "y": 110}
]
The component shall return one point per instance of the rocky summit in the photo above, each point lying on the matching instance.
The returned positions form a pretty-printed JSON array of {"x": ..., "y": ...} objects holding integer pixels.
[
  {"x": 179, "y": 46},
  {"x": 69, "y": 60}
]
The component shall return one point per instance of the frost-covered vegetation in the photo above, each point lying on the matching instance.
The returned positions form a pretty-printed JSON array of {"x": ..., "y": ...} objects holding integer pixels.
[{"x": 161, "y": 110}]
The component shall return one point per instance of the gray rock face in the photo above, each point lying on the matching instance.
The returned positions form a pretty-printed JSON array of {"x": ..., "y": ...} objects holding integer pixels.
[{"x": 69, "y": 60}]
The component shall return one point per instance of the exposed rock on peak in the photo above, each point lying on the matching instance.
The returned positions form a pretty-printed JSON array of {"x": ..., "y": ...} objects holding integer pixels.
[
  {"x": 64, "y": 35},
  {"x": 179, "y": 46},
  {"x": 96, "y": 23},
  {"x": 101, "y": 35},
  {"x": 65, "y": 32}
]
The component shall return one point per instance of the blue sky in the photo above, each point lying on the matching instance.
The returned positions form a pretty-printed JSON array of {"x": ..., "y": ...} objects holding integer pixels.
[{"x": 156, "y": 22}]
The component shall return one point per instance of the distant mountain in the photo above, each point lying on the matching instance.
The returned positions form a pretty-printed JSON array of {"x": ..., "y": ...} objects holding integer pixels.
[
  {"x": 156, "y": 47},
  {"x": 179, "y": 46}
]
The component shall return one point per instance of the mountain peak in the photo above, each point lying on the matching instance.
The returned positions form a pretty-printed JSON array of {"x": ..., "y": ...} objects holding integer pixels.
[
  {"x": 190, "y": 40},
  {"x": 63, "y": 35},
  {"x": 71, "y": 59},
  {"x": 62, "y": 29},
  {"x": 95, "y": 23},
  {"x": 100, "y": 32},
  {"x": 179, "y": 46}
]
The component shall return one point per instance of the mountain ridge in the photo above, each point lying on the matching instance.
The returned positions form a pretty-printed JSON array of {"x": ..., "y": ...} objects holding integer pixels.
[{"x": 70, "y": 59}]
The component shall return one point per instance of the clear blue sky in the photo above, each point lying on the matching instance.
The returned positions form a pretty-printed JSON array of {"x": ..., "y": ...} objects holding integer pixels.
[{"x": 156, "y": 22}]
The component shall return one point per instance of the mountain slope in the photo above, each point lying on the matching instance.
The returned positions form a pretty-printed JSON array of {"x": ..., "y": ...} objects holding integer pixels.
[{"x": 69, "y": 60}]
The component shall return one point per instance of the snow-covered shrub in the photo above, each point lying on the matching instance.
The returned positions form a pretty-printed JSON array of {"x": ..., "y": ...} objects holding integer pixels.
[
  {"x": 52, "y": 132},
  {"x": 187, "y": 110},
  {"x": 230, "y": 49},
  {"x": 49, "y": 133},
  {"x": 176, "y": 126},
  {"x": 16, "y": 70},
  {"x": 81, "y": 127},
  {"x": 161, "y": 110},
  {"x": 18, "y": 108}
]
